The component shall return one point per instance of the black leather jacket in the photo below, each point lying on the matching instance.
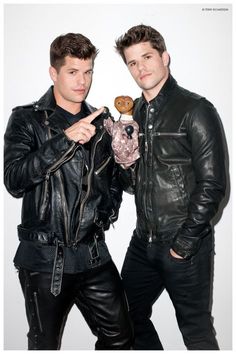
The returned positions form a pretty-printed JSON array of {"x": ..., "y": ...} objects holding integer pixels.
[
  {"x": 45, "y": 168},
  {"x": 180, "y": 176}
]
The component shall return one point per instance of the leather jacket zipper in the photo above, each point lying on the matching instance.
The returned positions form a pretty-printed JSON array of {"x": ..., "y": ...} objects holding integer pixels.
[
  {"x": 37, "y": 311},
  {"x": 45, "y": 194},
  {"x": 169, "y": 134},
  {"x": 102, "y": 166},
  {"x": 145, "y": 194},
  {"x": 145, "y": 164},
  {"x": 89, "y": 187},
  {"x": 53, "y": 168},
  {"x": 64, "y": 203}
]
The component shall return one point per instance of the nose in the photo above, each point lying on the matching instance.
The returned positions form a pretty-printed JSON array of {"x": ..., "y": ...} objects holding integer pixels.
[
  {"x": 81, "y": 79},
  {"x": 141, "y": 66}
]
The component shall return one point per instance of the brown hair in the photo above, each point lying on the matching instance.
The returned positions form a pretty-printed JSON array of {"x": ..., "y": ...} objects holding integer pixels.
[
  {"x": 138, "y": 34},
  {"x": 72, "y": 44}
]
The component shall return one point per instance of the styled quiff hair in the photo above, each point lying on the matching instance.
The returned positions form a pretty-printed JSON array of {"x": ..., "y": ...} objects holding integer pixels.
[
  {"x": 73, "y": 45},
  {"x": 138, "y": 34}
]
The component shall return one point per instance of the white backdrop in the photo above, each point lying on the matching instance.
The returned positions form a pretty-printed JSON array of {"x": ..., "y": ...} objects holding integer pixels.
[{"x": 198, "y": 39}]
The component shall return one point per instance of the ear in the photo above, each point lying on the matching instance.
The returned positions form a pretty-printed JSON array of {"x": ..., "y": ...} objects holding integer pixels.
[
  {"x": 165, "y": 58},
  {"x": 53, "y": 73}
]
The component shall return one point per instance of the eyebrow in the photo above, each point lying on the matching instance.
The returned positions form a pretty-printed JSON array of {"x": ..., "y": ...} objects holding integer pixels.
[
  {"x": 143, "y": 55},
  {"x": 78, "y": 69},
  {"x": 71, "y": 68}
]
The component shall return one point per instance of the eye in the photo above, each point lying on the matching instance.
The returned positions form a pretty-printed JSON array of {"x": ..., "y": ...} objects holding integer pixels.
[
  {"x": 89, "y": 72},
  {"x": 147, "y": 57},
  {"x": 132, "y": 64}
]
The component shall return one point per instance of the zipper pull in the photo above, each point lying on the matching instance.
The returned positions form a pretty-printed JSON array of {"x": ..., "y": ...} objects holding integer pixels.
[
  {"x": 47, "y": 176},
  {"x": 146, "y": 146},
  {"x": 150, "y": 240}
]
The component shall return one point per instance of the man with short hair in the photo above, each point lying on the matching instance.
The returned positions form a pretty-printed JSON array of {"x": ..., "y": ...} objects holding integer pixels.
[
  {"x": 178, "y": 181},
  {"x": 58, "y": 158}
]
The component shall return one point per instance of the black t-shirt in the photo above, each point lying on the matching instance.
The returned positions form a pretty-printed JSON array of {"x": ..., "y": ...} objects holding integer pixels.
[
  {"x": 73, "y": 118},
  {"x": 70, "y": 117}
]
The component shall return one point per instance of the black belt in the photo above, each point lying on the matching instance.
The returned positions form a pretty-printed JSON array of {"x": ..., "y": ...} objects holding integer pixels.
[
  {"x": 38, "y": 236},
  {"x": 58, "y": 268},
  {"x": 51, "y": 239}
]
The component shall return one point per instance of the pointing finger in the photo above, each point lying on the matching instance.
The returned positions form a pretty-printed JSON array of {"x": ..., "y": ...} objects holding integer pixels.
[{"x": 93, "y": 115}]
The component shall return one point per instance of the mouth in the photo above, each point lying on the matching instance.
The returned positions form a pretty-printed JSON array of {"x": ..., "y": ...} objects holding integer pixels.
[
  {"x": 80, "y": 91},
  {"x": 144, "y": 76}
]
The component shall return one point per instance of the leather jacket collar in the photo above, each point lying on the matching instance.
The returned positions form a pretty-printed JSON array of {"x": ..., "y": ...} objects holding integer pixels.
[
  {"x": 47, "y": 103},
  {"x": 165, "y": 91}
]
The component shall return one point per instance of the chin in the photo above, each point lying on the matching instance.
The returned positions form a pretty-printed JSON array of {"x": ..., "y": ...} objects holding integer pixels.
[{"x": 79, "y": 99}]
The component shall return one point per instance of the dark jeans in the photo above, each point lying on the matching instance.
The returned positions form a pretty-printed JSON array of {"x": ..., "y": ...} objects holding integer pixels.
[
  {"x": 148, "y": 270},
  {"x": 99, "y": 296}
]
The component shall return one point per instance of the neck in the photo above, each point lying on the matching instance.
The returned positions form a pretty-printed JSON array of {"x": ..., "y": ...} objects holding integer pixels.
[
  {"x": 152, "y": 93},
  {"x": 73, "y": 110},
  {"x": 72, "y": 107}
]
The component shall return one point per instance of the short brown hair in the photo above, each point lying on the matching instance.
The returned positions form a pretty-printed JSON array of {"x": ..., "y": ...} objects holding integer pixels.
[
  {"x": 72, "y": 44},
  {"x": 138, "y": 34}
]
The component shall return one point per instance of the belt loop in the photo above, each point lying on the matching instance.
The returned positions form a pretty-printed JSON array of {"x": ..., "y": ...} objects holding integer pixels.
[{"x": 58, "y": 267}]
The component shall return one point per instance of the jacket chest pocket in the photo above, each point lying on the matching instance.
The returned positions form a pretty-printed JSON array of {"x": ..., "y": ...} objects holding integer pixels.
[{"x": 172, "y": 147}]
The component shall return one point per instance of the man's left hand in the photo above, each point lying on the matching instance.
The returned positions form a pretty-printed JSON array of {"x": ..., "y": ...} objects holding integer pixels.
[{"x": 174, "y": 254}]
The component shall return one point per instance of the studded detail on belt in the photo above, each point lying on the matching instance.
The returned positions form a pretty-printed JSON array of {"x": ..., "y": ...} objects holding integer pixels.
[{"x": 58, "y": 267}]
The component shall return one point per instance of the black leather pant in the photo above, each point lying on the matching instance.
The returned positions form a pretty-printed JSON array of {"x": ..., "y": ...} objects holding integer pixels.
[
  {"x": 99, "y": 296},
  {"x": 148, "y": 270}
]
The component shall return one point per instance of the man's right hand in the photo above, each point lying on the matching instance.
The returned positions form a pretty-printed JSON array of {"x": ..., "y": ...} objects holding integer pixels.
[{"x": 82, "y": 131}]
